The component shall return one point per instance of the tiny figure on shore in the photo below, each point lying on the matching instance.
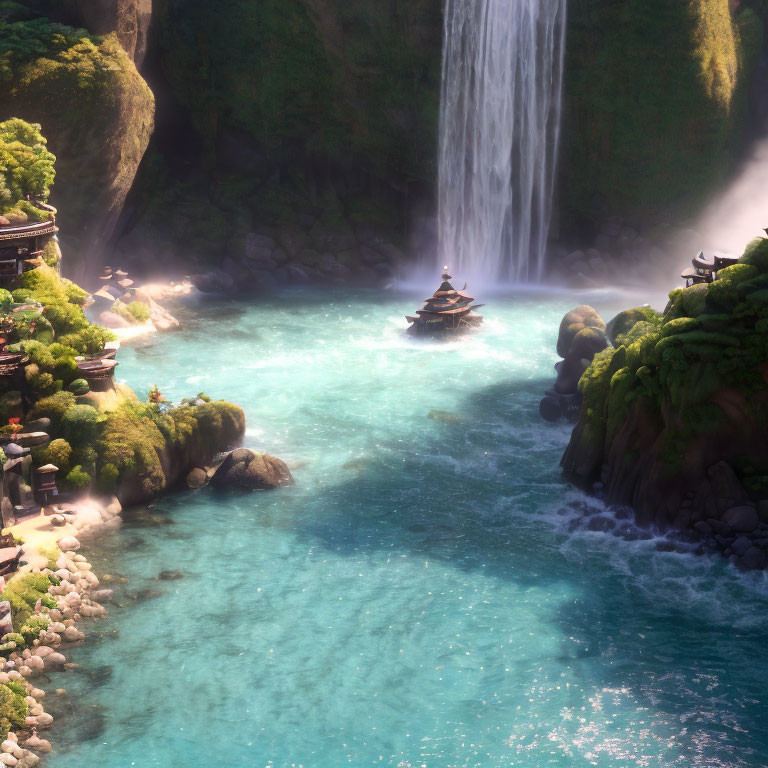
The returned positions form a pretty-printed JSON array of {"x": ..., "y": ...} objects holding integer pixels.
[{"x": 447, "y": 311}]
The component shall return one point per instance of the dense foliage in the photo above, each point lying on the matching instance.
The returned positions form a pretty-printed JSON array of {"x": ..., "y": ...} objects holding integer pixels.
[
  {"x": 26, "y": 166},
  {"x": 698, "y": 368}
]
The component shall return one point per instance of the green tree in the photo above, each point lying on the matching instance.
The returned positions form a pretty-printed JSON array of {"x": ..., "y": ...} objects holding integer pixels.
[{"x": 26, "y": 165}]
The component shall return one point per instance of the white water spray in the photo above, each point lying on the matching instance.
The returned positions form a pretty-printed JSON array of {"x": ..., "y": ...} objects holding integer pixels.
[
  {"x": 499, "y": 133},
  {"x": 740, "y": 213}
]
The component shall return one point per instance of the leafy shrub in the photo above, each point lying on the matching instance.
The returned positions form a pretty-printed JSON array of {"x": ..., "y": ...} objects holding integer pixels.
[
  {"x": 42, "y": 384},
  {"x": 756, "y": 254},
  {"x": 139, "y": 311},
  {"x": 58, "y": 452},
  {"x": 23, "y": 591},
  {"x": 13, "y": 709},
  {"x": 108, "y": 478},
  {"x": 53, "y": 408},
  {"x": 81, "y": 423},
  {"x": 14, "y": 637},
  {"x": 33, "y": 626},
  {"x": 27, "y": 166},
  {"x": 88, "y": 340},
  {"x": 21, "y": 295},
  {"x": 76, "y": 479}
]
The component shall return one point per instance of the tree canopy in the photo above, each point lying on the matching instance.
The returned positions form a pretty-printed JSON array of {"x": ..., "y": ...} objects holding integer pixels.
[{"x": 26, "y": 165}]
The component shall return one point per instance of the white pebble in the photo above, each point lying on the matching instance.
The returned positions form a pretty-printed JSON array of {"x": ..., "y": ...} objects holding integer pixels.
[{"x": 68, "y": 544}]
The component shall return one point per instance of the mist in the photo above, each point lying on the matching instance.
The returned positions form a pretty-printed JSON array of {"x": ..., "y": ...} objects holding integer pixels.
[{"x": 741, "y": 213}]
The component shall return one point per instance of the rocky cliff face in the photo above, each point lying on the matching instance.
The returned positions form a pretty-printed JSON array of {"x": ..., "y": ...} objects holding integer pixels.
[
  {"x": 656, "y": 96},
  {"x": 96, "y": 111},
  {"x": 320, "y": 118},
  {"x": 673, "y": 417},
  {"x": 128, "y": 19},
  {"x": 312, "y": 117}
]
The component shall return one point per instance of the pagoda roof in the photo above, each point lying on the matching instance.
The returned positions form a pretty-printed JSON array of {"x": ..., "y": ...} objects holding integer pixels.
[
  {"x": 701, "y": 262},
  {"x": 456, "y": 311}
]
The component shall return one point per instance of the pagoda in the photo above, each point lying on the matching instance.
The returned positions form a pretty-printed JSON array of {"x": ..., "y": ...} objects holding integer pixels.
[
  {"x": 449, "y": 311},
  {"x": 705, "y": 271}
]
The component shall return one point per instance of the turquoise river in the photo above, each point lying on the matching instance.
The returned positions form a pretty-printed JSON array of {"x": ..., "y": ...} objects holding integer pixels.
[{"x": 430, "y": 594}]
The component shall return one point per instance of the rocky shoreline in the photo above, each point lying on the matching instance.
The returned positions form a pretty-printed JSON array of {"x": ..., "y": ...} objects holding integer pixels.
[
  {"x": 73, "y": 593},
  {"x": 673, "y": 411},
  {"x": 78, "y": 595}
]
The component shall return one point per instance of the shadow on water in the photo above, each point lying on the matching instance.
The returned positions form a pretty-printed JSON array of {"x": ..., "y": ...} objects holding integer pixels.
[
  {"x": 456, "y": 496},
  {"x": 472, "y": 487}
]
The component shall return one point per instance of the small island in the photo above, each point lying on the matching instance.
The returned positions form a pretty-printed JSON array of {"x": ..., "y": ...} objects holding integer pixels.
[{"x": 673, "y": 413}]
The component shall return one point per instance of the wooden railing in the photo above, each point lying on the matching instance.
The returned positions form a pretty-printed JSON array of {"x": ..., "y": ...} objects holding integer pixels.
[{"x": 21, "y": 231}]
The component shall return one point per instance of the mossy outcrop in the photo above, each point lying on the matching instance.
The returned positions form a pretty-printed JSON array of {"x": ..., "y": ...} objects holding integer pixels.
[
  {"x": 107, "y": 441},
  {"x": 680, "y": 393},
  {"x": 96, "y": 111},
  {"x": 655, "y": 103}
]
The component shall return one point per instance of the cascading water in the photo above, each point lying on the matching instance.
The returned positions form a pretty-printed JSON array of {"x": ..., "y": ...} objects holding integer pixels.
[{"x": 499, "y": 131}]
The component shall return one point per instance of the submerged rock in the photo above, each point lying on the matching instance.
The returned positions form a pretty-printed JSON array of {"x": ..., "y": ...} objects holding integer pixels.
[
  {"x": 251, "y": 471},
  {"x": 170, "y": 575},
  {"x": 445, "y": 417}
]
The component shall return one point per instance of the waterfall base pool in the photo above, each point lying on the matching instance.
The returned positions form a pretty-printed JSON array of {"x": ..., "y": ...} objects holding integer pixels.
[{"x": 424, "y": 596}]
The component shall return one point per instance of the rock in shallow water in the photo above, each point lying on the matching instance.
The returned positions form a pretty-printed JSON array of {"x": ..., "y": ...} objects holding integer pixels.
[
  {"x": 251, "y": 471},
  {"x": 197, "y": 478},
  {"x": 170, "y": 575},
  {"x": 743, "y": 518}
]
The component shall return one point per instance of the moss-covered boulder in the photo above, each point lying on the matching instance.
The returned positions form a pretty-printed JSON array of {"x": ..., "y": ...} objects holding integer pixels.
[
  {"x": 245, "y": 470},
  {"x": 575, "y": 321},
  {"x": 96, "y": 111}
]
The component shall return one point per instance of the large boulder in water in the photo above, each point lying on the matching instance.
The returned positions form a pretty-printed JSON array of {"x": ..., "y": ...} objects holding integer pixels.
[
  {"x": 251, "y": 471},
  {"x": 573, "y": 323},
  {"x": 581, "y": 337}
]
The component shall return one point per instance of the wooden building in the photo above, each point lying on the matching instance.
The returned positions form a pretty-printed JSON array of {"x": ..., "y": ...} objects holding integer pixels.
[
  {"x": 22, "y": 245},
  {"x": 448, "y": 311},
  {"x": 705, "y": 271}
]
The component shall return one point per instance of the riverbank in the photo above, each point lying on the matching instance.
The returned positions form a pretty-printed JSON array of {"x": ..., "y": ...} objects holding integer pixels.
[{"x": 50, "y": 597}]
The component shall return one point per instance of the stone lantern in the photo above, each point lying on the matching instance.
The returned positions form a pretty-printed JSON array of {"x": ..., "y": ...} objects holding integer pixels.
[{"x": 45, "y": 484}]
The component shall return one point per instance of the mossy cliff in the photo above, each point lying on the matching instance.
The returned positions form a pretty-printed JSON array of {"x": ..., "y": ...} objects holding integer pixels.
[
  {"x": 656, "y": 96},
  {"x": 316, "y": 117},
  {"x": 95, "y": 109},
  {"x": 128, "y": 19},
  {"x": 681, "y": 401},
  {"x": 106, "y": 441},
  {"x": 314, "y": 123}
]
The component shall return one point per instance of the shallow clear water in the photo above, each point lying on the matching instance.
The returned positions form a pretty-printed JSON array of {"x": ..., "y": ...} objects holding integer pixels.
[{"x": 419, "y": 598}]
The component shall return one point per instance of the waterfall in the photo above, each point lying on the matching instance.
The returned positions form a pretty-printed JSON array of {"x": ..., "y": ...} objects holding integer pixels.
[{"x": 499, "y": 132}]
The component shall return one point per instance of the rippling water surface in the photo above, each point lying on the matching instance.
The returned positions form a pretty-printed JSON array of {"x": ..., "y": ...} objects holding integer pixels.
[{"x": 420, "y": 597}]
